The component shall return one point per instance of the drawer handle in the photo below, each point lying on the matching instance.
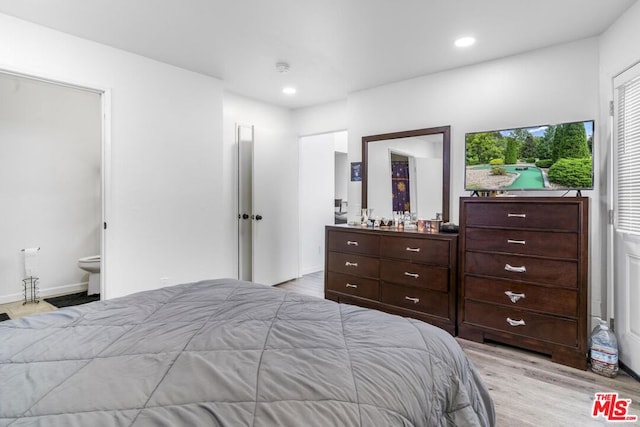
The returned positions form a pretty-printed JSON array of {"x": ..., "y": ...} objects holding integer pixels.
[
  {"x": 414, "y": 275},
  {"x": 516, "y": 215},
  {"x": 413, "y": 249},
  {"x": 351, "y": 285},
  {"x": 517, "y": 242},
  {"x": 515, "y": 322},
  {"x": 513, "y": 269},
  {"x": 415, "y": 300},
  {"x": 351, "y": 243},
  {"x": 514, "y": 297},
  {"x": 350, "y": 264}
]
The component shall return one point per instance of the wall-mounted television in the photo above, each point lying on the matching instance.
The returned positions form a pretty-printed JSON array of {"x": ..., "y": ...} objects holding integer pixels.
[{"x": 545, "y": 157}]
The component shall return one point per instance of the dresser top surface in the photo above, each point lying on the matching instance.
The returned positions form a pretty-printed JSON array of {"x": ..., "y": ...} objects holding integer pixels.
[
  {"x": 525, "y": 199},
  {"x": 390, "y": 231}
]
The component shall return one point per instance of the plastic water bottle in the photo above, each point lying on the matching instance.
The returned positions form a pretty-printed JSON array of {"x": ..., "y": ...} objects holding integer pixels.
[
  {"x": 595, "y": 330},
  {"x": 603, "y": 353}
]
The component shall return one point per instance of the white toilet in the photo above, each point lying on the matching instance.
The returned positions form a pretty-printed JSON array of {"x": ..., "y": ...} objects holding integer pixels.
[{"x": 92, "y": 265}]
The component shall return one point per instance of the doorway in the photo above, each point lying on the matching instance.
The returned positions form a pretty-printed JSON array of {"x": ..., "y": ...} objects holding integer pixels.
[
  {"x": 52, "y": 169},
  {"x": 267, "y": 205},
  {"x": 324, "y": 183},
  {"x": 626, "y": 227}
]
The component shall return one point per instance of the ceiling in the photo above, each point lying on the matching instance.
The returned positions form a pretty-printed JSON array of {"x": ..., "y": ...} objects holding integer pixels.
[{"x": 333, "y": 47}]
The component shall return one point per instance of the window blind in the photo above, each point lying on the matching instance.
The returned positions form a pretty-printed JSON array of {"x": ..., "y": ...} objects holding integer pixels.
[{"x": 628, "y": 156}]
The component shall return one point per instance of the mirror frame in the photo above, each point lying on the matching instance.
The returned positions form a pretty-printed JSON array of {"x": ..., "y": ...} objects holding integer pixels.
[{"x": 446, "y": 159}]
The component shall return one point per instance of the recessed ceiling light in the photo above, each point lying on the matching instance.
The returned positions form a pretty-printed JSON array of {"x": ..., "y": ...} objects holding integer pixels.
[
  {"x": 465, "y": 41},
  {"x": 289, "y": 90}
]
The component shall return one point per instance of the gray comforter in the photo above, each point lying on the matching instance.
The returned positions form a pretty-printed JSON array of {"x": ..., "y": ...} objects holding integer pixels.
[{"x": 231, "y": 353}]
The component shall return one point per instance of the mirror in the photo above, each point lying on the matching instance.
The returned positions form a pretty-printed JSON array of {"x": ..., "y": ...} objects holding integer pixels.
[{"x": 407, "y": 171}]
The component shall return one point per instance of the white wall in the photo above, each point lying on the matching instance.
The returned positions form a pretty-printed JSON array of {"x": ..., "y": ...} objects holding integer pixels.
[
  {"x": 166, "y": 181},
  {"x": 317, "y": 188},
  {"x": 552, "y": 85},
  {"x": 323, "y": 118},
  {"x": 50, "y": 177},
  {"x": 617, "y": 53}
]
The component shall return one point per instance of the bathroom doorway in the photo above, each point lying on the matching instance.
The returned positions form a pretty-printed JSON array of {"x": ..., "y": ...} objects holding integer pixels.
[{"x": 52, "y": 181}]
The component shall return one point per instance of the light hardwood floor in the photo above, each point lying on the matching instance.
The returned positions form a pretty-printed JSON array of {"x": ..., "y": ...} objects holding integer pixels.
[{"x": 527, "y": 388}]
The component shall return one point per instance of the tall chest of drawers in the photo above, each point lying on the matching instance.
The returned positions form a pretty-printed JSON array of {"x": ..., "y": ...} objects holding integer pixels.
[
  {"x": 524, "y": 274},
  {"x": 407, "y": 273}
]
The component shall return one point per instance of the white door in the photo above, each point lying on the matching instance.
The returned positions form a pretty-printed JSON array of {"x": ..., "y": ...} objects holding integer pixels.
[
  {"x": 244, "y": 142},
  {"x": 626, "y": 227},
  {"x": 274, "y": 207}
]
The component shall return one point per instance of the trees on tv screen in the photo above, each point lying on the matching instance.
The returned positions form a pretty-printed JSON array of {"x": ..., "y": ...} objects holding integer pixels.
[{"x": 533, "y": 158}]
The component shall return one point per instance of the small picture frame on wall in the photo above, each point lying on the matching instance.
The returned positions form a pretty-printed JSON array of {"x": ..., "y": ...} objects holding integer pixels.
[{"x": 356, "y": 171}]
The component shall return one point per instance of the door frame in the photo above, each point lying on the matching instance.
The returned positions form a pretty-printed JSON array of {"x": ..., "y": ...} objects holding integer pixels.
[
  {"x": 105, "y": 104},
  {"x": 612, "y": 243}
]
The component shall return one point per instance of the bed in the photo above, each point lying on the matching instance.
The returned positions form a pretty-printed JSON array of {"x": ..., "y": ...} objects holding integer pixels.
[{"x": 231, "y": 353}]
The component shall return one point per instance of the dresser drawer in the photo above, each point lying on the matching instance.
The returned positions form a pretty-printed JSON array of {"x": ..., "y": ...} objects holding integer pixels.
[
  {"x": 431, "y": 251},
  {"x": 352, "y": 285},
  {"x": 553, "y": 245},
  {"x": 521, "y": 322},
  {"x": 558, "y": 301},
  {"x": 417, "y": 299},
  {"x": 412, "y": 274},
  {"x": 355, "y": 265},
  {"x": 546, "y": 216},
  {"x": 513, "y": 267},
  {"x": 355, "y": 243}
]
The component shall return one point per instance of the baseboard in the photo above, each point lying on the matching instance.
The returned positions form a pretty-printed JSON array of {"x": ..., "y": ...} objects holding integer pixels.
[
  {"x": 48, "y": 292},
  {"x": 629, "y": 371},
  {"x": 310, "y": 270}
]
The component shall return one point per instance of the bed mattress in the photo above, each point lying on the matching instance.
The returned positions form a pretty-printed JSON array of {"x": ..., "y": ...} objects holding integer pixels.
[{"x": 231, "y": 353}]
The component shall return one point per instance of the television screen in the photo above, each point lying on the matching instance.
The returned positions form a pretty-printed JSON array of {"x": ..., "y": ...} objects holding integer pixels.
[{"x": 546, "y": 157}]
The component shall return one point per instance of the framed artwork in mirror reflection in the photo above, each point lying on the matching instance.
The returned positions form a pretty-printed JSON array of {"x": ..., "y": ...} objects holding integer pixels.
[{"x": 356, "y": 171}]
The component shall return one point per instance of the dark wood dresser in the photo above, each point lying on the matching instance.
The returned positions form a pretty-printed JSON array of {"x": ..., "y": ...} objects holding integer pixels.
[
  {"x": 408, "y": 273},
  {"x": 524, "y": 274}
]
